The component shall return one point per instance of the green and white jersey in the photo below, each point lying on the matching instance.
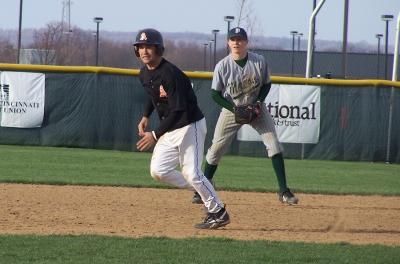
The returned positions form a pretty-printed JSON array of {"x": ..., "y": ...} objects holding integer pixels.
[{"x": 241, "y": 85}]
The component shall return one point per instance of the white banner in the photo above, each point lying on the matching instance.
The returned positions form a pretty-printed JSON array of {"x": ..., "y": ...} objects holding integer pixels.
[
  {"x": 295, "y": 110},
  {"x": 21, "y": 99}
]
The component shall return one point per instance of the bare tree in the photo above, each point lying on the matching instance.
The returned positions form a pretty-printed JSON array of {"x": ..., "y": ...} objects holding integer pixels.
[
  {"x": 78, "y": 48},
  {"x": 247, "y": 19},
  {"x": 7, "y": 51},
  {"x": 187, "y": 55},
  {"x": 48, "y": 41},
  {"x": 242, "y": 14},
  {"x": 119, "y": 54}
]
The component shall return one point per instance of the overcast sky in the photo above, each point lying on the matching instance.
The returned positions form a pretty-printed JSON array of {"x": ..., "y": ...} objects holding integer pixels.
[{"x": 276, "y": 18}]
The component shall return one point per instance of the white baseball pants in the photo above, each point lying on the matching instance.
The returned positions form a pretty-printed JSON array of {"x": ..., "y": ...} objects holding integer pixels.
[{"x": 184, "y": 147}]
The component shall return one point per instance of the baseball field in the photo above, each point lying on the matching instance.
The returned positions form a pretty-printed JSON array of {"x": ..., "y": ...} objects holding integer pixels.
[{"x": 69, "y": 205}]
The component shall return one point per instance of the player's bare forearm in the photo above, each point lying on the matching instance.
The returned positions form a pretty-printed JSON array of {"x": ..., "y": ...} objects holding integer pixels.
[
  {"x": 143, "y": 124},
  {"x": 146, "y": 142}
]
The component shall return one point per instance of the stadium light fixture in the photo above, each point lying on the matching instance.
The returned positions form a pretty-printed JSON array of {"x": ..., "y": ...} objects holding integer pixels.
[
  {"x": 97, "y": 20},
  {"x": 386, "y": 19},
  {"x": 205, "y": 57},
  {"x": 294, "y": 34},
  {"x": 211, "y": 61},
  {"x": 228, "y": 19},
  {"x": 378, "y": 51},
  {"x": 298, "y": 40},
  {"x": 215, "y": 31}
]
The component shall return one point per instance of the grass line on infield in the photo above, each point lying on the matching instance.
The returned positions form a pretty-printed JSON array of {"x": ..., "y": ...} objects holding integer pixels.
[
  {"x": 101, "y": 249},
  {"x": 75, "y": 166}
]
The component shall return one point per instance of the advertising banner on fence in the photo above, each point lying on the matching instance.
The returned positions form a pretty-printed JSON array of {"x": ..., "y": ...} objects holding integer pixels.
[
  {"x": 21, "y": 99},
  {"x": 295, "y": 110}
]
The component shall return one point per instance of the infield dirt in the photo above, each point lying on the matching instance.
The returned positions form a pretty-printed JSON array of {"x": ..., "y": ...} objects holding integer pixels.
[{"x": 138, "y": 212}]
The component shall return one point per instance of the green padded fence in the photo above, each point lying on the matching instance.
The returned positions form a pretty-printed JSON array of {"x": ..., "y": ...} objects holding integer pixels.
[{"x": 97, "y": 107}]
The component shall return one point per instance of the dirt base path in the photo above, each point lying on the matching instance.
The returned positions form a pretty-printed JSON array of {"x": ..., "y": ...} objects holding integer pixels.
[{"x": 133, "y": 212}]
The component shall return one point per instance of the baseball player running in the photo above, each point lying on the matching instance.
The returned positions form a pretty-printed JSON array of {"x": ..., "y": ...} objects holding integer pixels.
[
  {"x": 179, "y": 138},
  {"x": 240, "y": 83}
]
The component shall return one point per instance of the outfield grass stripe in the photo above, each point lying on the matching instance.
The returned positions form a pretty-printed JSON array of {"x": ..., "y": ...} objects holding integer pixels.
[
  {"x": 101, "y": 249},
  {"x": 47, "y": 165}
]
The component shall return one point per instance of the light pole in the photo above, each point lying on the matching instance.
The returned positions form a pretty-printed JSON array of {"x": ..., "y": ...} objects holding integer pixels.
[
  {"x": 97, "y": 20},
  {"x": 211, "y": 61},
  {"x": 298, "y": 40},
  {"x": 386, "y": 18},
  {"x": 378, "y": 51},
  {"x": 205, "y": 57},
  {"x": 344, "y": 42},
  {"x": 313, "y": 33},
  {"x": 95, "y": 41},
  {"x": 293, "y": 33},
  {"x": 228, "y": 19},
  {"x": 215, "y": 31},
  {"x": 19, "y": 30}
]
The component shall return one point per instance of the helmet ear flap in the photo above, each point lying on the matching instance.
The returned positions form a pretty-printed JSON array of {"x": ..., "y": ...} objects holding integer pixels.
[{"x": 136, "y": 50}]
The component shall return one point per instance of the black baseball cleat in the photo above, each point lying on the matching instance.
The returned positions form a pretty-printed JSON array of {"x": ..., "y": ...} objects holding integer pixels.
[
  {"x": 215, "y": 220},
  {"x": 287, "y": 197},
  {"x": 196, "y": 198}
]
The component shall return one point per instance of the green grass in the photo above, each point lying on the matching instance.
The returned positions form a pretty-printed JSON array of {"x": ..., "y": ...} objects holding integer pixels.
[
  {"x": 100, "y": 249},
  {"x": 74, "y": 166},
  {"x": 26, "y": 164}
]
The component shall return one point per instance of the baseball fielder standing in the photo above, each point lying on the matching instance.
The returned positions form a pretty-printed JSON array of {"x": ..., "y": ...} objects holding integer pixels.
[
  {"x": 179, "y": 138},
  {"x": 240, "y": 83}
]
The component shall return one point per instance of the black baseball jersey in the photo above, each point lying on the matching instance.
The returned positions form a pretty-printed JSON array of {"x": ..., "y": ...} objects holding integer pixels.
[{"x": 170, "y": 93}]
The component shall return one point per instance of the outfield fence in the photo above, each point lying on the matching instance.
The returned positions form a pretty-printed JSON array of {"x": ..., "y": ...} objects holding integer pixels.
[{"x": 98, "y": 107}]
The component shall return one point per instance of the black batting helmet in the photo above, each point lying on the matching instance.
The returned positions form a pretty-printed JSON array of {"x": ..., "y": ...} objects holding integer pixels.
[{"x": 149, "y": 36}]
